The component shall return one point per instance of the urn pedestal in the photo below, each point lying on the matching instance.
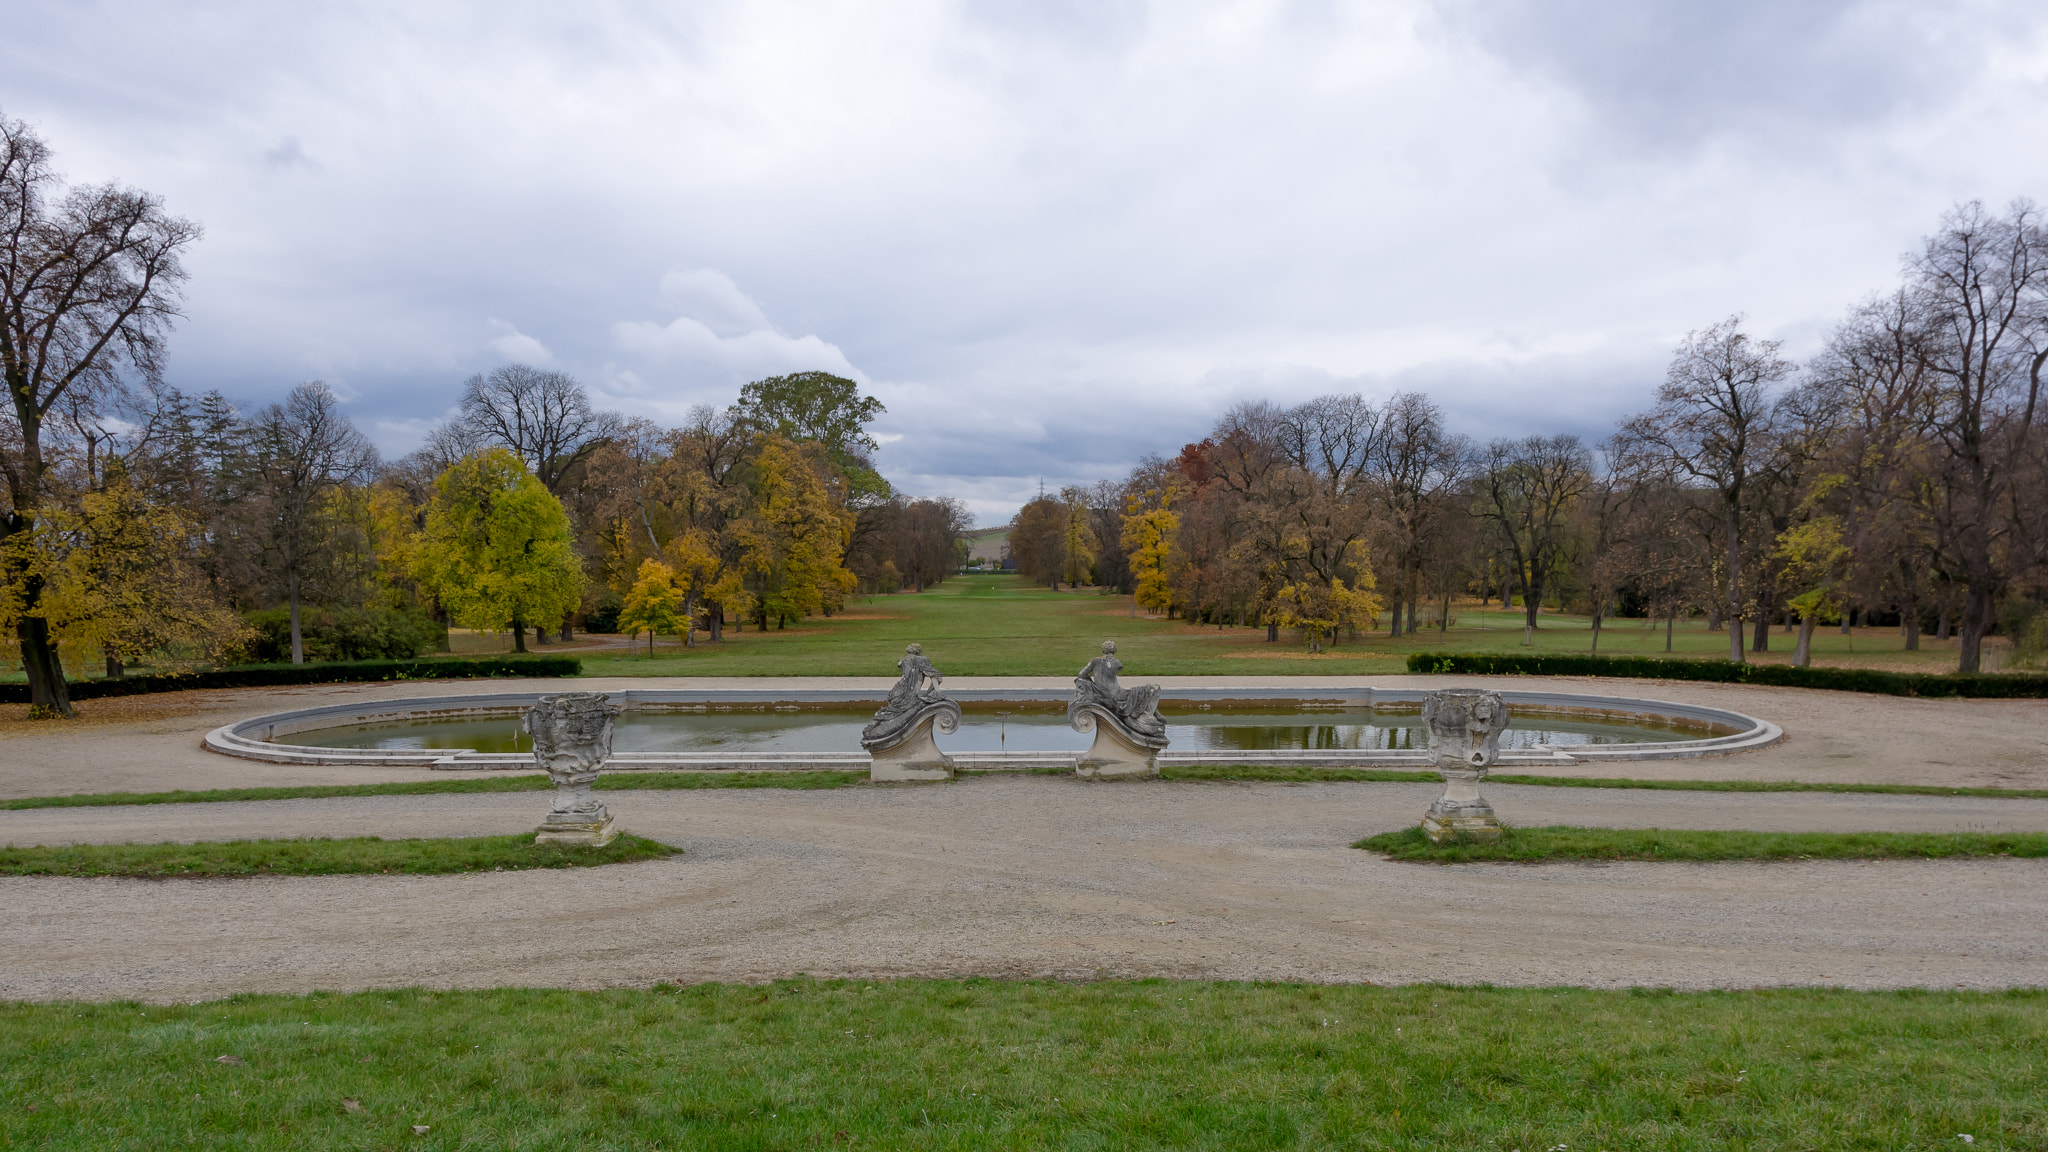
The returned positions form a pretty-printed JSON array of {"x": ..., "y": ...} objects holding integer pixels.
[
  {"x": 1464, "y": 735},
  {"x": 572, "y": 738}
]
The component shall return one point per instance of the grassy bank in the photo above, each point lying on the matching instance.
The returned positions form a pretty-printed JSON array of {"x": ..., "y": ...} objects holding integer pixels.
[
  {"x": 1005, "y": 626},
  {"x": 1532, "y": 845},
  {"x": 807, "y": 781},
  {"x": 980, "y": 1065},
  {"x": 320, "y": 857}
]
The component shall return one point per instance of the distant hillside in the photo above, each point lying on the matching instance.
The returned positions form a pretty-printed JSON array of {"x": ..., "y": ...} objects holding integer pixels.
[{"x": 987, "y": 543}]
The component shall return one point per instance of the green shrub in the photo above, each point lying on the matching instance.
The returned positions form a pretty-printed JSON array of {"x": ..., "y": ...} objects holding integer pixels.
[
  {"x": 603, "y": 616},
  {"x": 268, "y": 675},
  {"x": 345, "y": 633},
  {"x": 1779, "y": 675}
]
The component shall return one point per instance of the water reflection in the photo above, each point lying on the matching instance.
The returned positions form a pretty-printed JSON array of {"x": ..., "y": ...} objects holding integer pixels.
[{"x": 821, "y": 731}]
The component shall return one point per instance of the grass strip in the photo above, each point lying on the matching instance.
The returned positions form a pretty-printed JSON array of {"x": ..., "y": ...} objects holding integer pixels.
[
  {"x": 1296, "y": 775},
  {"x": 1559, "y": 842},
  {"x": 1767, "y": 786},
  {"x": 321, "y": 857},
  {"x": 525, "y": 782},
  {"x": 982, "y": 1064}
]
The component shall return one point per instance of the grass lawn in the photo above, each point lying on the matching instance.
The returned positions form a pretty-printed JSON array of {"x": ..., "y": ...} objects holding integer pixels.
[
  {"x": 983, "y": 1064},
  {"x": 320, "y": 857},
  {"x": 660, "y": 781},
  {"x": 1530, "y": 845},
  {"x": 1006, "y": 626}
]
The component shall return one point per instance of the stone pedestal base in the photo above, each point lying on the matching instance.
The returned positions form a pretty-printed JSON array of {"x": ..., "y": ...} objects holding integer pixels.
[
  {"x": 1112, "y": 757},
  {"x": 917, "y": 758},
  {"x": 1469, "y": 820},
  {"x": 596, "y": 831}
]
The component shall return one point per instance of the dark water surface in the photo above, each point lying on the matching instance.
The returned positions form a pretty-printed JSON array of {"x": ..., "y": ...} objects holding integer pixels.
[{"x": 813, "y": 731}]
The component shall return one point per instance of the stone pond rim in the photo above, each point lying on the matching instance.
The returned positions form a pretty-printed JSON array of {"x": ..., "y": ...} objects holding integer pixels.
[{"x": 1724, "y": 732}]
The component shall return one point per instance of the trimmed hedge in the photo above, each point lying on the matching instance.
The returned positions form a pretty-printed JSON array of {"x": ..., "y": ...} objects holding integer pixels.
[
  {"x": 337, "y": 672},
  {"x": 1778, "y": 675}
]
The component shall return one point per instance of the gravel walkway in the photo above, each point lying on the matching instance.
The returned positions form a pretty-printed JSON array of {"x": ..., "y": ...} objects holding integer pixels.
[{"x": 1033, "y": 876}]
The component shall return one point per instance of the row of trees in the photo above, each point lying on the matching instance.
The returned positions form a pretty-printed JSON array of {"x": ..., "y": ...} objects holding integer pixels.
[
  {"x": 1901, "y": 473},
  {"x": 141, "y": 522}
]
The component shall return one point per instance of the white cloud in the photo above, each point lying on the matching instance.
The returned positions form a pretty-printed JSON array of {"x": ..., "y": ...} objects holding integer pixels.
[
  {"x": 721, "y": 329},
  {"x": 512, "y": 344}
]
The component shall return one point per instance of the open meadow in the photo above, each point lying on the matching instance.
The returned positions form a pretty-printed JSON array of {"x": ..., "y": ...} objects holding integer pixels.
[{"x": 1008, "y": 626}]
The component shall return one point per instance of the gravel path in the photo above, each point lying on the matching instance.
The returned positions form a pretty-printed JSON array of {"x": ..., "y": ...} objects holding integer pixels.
[{"x": 1033, "y": 876}]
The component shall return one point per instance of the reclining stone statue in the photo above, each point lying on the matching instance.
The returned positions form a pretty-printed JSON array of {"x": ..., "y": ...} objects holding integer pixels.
[
  {"x": 572, "y": 738},
  {"x": 900, "y": 736},
  {"x": 1129, "y": 732},
  {"x": 1464, "y": 735}
]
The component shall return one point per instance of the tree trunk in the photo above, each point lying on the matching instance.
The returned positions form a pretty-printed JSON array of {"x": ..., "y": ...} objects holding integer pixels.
[
  {"x": 540, "y": 635},
  {"x": 1802, "y": 653},
  {"x": 1272, "y": 633},
  {"x": 568, "y": 632},
  {"x": 1941, "y": 625},
  {"x": 114, "y": 668},
  {"x": 291, "y": 583},
  {"x": 1599, "y": 608},
  {"x": 1912, "y": 623},
  {"x": 689, "y": 621},
  {"x": 518, "y": 635},
  {"x": 1670, "y": 626},
  {"x": 47, "y": 692},
  {"x": 716, "y": 612},
  {"x": 1847, "y": 615},
  {"x": 1734, "y": 586},
  {"x": 1975, "y": 623},
  {"x": 1761, "y": 642}
]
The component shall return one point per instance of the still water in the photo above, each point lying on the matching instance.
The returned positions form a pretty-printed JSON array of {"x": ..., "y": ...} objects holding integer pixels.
[{"x": 814, "y": 731}]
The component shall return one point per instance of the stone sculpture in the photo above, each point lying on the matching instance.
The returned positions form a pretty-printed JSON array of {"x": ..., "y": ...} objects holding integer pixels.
[
  {"x": 572, "y": 738},
  {"x": 900, "y": 736},
  {"x": 1464, "y": 735},
  {"x": 1129, "y": 732}
]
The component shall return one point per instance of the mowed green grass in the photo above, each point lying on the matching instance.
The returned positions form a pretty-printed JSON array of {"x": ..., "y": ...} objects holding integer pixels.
[
  {"x": 1006, "y": 626},
  {"x": 1028, "y": 1065},
  {"x": 1559, "y": 842},
  {"x": 321, "y": 857}
]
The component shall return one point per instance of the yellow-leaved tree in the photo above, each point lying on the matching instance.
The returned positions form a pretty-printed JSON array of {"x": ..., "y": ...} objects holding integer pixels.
[
  {"x": 116, "y": 577},
  {"x": 1320, "y": 609},
  {"x": 496, "y": 547},
  {"x": 1148, "y": 542},
  {"x": 1814, "y": 556},
  {"x": 795, "y": 540},
  {"x": 654, "y": 603}
]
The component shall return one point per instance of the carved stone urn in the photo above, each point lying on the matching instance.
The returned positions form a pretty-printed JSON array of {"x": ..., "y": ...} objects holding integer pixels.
[
  {"x": 1129, "y": 732},
  {"x": 900, "y": 736},
  {"x": 572, "y": 738},
  {"x": 1464, "y": 736}
]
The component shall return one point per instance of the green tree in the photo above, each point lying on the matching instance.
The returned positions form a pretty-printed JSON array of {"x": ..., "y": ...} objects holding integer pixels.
[
  {"x": 497, "y": 548},
  {"x": 824, "y": 409}
]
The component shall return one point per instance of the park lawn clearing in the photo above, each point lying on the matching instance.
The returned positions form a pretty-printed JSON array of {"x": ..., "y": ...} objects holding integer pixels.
[
  {"x": 981, "y": 1064},
  {"x": 321, "y": 857},
  {"x": 1561, "y": 843},
  {"x": 1007, "y": 626}
]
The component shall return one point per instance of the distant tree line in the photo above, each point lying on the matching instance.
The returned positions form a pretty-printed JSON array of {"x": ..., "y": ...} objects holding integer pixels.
[
  {"x": 144, "y": 524},
  {"x": 1899, "y": 476}
]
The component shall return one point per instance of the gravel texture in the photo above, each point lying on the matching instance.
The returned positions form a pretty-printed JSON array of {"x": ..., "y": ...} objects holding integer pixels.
[{"x": 1033, "y": 876}]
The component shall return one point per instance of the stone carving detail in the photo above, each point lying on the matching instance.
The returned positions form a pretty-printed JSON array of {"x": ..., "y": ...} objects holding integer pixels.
[
  {"x": 572, "y": 738},
  {"x": 1129, "y": 732},
  {"x": 900, "y": 736},
  {"x": 1464, "y": 735}
]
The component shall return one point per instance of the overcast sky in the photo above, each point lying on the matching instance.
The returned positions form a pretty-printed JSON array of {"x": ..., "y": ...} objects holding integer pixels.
[{"x": 1051, "y": 235}]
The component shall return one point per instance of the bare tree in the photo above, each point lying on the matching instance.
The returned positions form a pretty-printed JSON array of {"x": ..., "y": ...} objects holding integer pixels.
[
  {"x": 89, "y": 285},
  {"x": 1415, "y": 465},
  {"x": 305, "y": 447},
  {"x": 1528, "y": 489},
  {"x": 543, "y": 417},
  {"x": 1982, "y": 285},
  {"x": 1713, "y": 424}
]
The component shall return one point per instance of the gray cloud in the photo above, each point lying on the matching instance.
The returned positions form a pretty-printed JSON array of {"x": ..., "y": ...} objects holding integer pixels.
[{"x": 1050, "y": 237}]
